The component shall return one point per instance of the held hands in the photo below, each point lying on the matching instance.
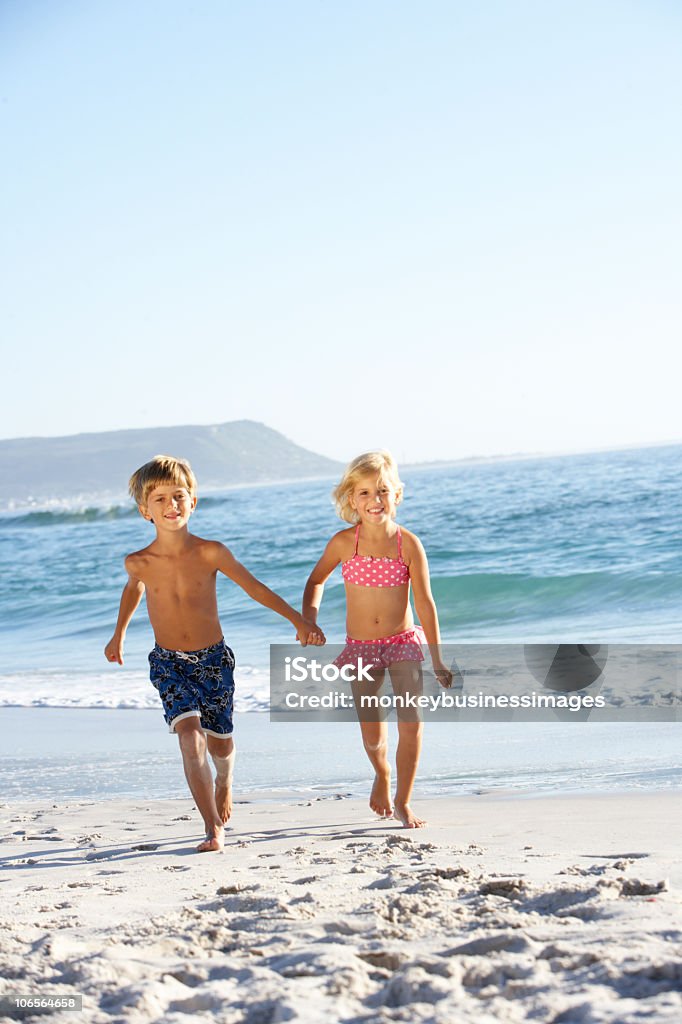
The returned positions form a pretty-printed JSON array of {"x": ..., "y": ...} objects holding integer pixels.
[
  {"x": 309, "y": 634},
  {"x": 114, "y": 650}
]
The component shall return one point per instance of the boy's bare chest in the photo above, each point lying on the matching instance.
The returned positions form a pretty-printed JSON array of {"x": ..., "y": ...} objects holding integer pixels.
[{"x": 178, "y": 580}]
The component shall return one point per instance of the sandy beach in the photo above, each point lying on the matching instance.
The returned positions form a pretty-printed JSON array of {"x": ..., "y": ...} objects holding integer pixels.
[{"x": 563, "y": 910}]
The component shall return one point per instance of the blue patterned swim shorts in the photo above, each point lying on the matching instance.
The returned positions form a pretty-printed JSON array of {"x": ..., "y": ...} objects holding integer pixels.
[{"x": 197, "y": 684}]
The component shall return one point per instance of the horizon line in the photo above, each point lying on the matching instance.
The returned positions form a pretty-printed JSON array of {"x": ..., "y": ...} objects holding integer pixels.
[{"x": 410, "y": 464}]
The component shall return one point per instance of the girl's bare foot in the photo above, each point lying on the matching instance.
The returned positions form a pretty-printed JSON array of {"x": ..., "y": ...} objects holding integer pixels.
[
  {"x": 404, "y": 813},
  {"x": 380, "y": 797},
  {"x": 214, "y": 841},
  {"x": 223, "y": 799}
]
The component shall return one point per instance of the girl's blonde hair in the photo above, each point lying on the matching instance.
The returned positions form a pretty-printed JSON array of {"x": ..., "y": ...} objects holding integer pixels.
[
  {"x": 162, "y": 469},
  {"x": 380, "y": 462}
]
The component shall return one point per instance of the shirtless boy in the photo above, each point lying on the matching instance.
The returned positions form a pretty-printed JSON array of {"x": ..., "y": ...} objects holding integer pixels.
[{"x": 191, "y": 665}]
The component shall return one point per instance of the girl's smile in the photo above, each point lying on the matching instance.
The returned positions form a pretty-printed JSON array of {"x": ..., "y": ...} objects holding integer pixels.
[{"x": 374, "y": 499}]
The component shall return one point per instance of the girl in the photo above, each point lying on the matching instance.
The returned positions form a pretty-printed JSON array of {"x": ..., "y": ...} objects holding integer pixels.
[{"x": 379, "y": 561}]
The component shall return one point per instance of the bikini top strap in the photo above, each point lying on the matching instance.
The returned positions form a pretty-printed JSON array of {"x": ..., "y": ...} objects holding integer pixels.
[
  {"x": 400, "y": 543},
  {"x": 357, "y": 538}
]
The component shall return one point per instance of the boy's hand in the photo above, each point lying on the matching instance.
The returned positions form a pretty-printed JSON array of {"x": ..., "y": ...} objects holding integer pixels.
[
  {"x": 114, "y": 650},
  {"x": 308, "y": 633},
  {"x": 443, "y": 675}
]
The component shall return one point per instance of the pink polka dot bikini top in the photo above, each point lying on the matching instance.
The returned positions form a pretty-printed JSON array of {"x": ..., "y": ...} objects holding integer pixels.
[{"x": 367, "y": 571}]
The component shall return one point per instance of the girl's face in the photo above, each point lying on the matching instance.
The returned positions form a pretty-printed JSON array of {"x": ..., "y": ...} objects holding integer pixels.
[{"x": 375, "y": 499}]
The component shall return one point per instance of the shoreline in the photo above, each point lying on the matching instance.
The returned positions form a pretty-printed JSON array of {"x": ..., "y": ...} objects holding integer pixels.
[
  {"x": 500, "y": 910},
  {"x": 283, "y": 795},
  {"x": 60, "y": 755}
]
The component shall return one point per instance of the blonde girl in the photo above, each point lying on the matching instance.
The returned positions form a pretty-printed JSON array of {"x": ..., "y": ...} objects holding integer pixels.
[{"x": 379, "y": 562}]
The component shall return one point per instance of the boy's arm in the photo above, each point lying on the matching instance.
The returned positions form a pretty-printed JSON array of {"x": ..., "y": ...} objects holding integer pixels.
[
  {"x": 307, "y": 632},
  {"x": 314, "y": 588},
  {"x": 425, "y": 608},
  {"x": 130, "y": 599}
]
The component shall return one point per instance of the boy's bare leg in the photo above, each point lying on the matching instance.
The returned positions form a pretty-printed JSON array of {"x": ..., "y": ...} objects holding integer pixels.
[
  {"x": 200, "y": 781},
  {"x": 375, "y": 741},
  {"x": 406, "y": 678},
  {"x": 223, "y": 755}
]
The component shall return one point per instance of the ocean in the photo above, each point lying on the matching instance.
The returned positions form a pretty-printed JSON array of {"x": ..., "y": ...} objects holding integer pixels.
[{"x": 572, "y": 549}]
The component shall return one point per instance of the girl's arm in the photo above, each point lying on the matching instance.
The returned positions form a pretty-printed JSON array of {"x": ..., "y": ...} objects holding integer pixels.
[
  {"x": 425, "y": 607},
  {"x": 130, "y": 599},
  {"x": 306, "y": 631},
  {"x": 314, "y": 588}
]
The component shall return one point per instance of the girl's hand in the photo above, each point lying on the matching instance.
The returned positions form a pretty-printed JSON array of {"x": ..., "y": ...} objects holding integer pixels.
[{"x": 443, "y": 675}]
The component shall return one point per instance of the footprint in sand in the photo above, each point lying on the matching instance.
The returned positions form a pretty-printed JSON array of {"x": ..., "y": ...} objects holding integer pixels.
[
  {"x": 634, "y": 887},
  {"x": 445, "y": 873},
  {"x": 84, "y": 840},
  {"x": 503, "y": 942},
  {"x": 510, "y": 888},
  {"x": 577, "y": 869},
  {"x": 398, "y": 841}
]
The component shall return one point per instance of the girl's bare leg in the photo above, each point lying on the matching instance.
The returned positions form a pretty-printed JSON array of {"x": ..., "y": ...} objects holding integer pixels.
[
  {"x": 375, "y": 741},
  {"x": 200, "y": 781},
  {"x": 407, "y": 759},
  {"x": 406, "y": 678}
]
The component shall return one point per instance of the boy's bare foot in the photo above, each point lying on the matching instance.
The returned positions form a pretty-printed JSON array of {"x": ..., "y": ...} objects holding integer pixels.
[
  {"x": 223, "y": 799},
  {"x": 214, "y": 841},
  {"x": 380, "y": 797},
  {"x": 404, "y": 813}
]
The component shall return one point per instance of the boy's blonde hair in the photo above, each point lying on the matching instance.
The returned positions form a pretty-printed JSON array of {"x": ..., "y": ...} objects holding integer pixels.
[
  {"x": 380, "y": 462},
  {"x": 162, "y": 469}
]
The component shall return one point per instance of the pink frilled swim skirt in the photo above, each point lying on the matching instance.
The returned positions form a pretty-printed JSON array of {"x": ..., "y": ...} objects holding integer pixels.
[{"x": 385, "y": 651}]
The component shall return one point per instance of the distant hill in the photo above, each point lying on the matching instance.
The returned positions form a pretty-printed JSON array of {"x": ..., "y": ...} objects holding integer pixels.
[{"x": 99, "y": 465}]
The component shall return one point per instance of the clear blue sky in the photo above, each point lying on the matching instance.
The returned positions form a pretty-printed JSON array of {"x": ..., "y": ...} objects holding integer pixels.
[{"x": 448, "y": 228}]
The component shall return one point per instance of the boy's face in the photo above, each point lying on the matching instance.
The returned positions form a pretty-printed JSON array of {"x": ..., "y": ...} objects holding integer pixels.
[{"x": 169, "y": 507}]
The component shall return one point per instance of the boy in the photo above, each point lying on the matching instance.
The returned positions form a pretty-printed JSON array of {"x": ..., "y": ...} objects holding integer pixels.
[{"x": 191, "y": 666}]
